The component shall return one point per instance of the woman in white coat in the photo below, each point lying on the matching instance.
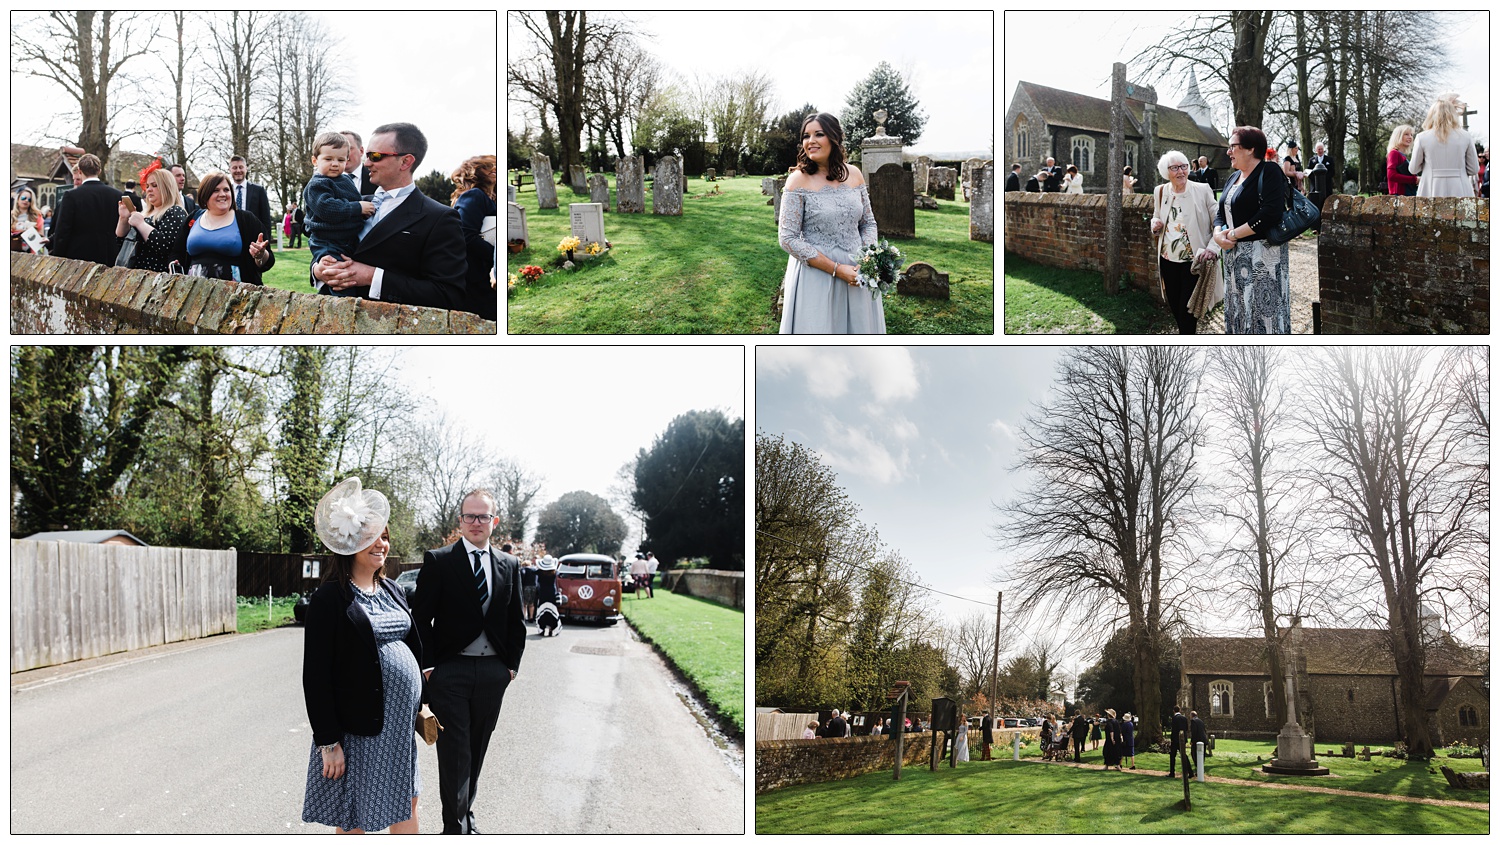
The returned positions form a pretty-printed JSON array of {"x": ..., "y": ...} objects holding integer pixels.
[
  {"x": 1073, "y": 182},
  {"x": 1444, "y": 153},
  {"x": 1183, "y": 220}
]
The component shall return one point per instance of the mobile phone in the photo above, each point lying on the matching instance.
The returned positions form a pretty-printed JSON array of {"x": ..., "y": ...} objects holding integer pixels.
[{"x": 129, "y": 203}]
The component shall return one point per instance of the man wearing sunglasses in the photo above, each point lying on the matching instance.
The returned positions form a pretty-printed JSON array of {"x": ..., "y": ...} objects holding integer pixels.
[
  {"x": 411, "y": 250},
  {"x": 467, "y": 609}
]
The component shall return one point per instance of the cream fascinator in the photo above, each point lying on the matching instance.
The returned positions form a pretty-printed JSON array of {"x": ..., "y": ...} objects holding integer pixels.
[{"x": 349, "y": 519}]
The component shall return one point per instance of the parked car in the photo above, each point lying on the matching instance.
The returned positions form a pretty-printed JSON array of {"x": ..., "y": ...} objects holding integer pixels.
[
  {"x": 1017, "y": 722},
  {"x": 590, "y": 587},
  {"x": 407, "y": 581}
]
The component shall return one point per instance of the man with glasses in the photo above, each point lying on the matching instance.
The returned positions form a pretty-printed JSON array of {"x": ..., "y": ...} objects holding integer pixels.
[
  {"x": 467, "y": 609},
  {"x": 411, "y": 251}
]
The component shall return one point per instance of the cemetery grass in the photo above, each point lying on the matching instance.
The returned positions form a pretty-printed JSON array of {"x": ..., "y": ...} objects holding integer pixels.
[
  {"x": 704, "y": 640},
  {"x": 251, "y": 616},
  {"x": 1050, "y": 300},
  {"x": 290, "y": 271},
  {"x": 1012, "y": 797},
  {"x": 716, "y": 269}
]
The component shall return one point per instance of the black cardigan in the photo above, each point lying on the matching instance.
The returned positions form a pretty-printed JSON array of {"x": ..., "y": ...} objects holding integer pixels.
[
  {"x": 1260, "y": 212},
  {"x": 341, "y": 680},
  {"x": 250, "y": 229}
]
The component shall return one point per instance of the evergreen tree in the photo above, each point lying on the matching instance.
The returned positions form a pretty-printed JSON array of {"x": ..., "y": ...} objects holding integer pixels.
[
  {"x": 690, "y": 487},
  {"x": 882, "y": 89},
  {"x": 580, "y": 522}
]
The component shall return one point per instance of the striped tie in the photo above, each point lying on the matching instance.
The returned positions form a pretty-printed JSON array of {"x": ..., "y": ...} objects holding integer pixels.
[{"x": 479, "y": 581}]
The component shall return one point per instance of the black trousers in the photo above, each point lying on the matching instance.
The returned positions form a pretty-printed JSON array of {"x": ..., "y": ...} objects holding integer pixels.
[
  {"x": 1178, "y": 280},
  {"x": 465, "y": 694}
]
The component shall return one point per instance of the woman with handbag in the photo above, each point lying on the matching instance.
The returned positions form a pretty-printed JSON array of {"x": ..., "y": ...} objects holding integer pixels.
[
  {"x": 361, "y": 675},
  {"x": 162, "y": 228},
  {"x": 1183, "y": 220},
  {"x": 225, "y": 242},
  {"x": 1257, "y": 286}
]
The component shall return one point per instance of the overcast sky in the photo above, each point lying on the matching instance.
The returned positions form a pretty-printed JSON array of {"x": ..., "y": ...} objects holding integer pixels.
[
  {"x": 434, "y": 69},
  {"x": 1076, "y": 51},
  {"x": 818, "y": 58}
]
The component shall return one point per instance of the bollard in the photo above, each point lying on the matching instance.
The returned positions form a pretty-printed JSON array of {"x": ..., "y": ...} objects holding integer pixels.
[
  {"x": 1016, "y": 744},
  {"x": 1200, "y": 761},
  {"x": 269, "y": 596}
]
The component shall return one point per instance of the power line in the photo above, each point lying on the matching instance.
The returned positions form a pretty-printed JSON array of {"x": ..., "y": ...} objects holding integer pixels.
[{"x": 918, "y": 585}]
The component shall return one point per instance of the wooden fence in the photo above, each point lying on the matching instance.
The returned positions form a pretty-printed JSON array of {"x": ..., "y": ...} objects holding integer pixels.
[
  {"x": 284, "y": 574},
  {"x": 72, "y": 601}
]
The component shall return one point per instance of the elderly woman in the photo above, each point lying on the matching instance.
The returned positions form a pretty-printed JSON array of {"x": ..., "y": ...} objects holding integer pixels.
[
  {"x": 1398, "y": 179},
  {"x": 1183, "y": 219},
  {"x": 1257, "y": 287},
  {"x": 1444, "y": 153}
]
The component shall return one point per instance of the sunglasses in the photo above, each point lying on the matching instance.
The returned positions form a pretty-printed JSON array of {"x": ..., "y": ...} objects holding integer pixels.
[{"x": 379, "y": 157}]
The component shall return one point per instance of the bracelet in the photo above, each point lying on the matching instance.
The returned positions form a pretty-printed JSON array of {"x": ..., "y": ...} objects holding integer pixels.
[{"x": 328, "y": 747}]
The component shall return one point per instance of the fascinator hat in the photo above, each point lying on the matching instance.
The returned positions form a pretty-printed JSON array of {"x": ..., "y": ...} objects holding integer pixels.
[{"x": 349, "y": 519}]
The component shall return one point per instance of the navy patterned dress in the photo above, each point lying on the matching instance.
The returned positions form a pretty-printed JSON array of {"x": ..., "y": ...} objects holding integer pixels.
[{"x": 381, "y": 775}]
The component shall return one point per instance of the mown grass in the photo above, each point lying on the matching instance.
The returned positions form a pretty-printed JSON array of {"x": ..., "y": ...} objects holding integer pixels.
[
  {"x": 716, "y": 269},
  {"x": 1049, "y": 300},
  {"x": 290, "y": 272},
  {"x": 704, "y": 640},
  {"x": 1012, "y": 797},
  {"x": 252, "y": 614}
]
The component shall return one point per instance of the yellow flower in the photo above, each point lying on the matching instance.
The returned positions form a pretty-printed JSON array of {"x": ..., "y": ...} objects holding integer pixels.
[
  {"x": 568, "y": 244},
  {"x": 593, "y": 249},
  {"x": 511, "y": 282}
]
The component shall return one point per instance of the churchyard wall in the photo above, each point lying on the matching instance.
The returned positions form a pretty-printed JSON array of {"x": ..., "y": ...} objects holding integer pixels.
[
  {"x": 1402, "y": 265},
  {"x": 51, "y": 295},
  {"x": 788, "y": 762},
  {"x": 720, "y": 586},
  {"x": 1067, "y": 230}
]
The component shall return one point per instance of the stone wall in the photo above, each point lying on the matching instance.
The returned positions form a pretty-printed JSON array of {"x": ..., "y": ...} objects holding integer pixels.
[
  {"x": 1361, "y": 708},
  {"x": 721, "y": 586},
  {"x": 1067, "y": 230},
  {"x": 788, "y": 762},
  {"x": 1402, "y": 265},
  {"x": 61, "y": 296}
]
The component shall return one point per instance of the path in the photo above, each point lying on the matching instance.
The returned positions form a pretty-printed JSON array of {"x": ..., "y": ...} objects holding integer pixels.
[{"x": 1302, "y": 265}]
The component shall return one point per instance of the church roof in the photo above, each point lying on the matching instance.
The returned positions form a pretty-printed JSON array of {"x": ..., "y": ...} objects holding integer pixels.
[
  {"x": 1330, "y": 651},
  {"x": 1077, "y": 111}
]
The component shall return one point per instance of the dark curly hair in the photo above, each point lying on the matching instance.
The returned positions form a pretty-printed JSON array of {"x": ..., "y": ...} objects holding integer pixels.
[{"x": 837, "y": 172}]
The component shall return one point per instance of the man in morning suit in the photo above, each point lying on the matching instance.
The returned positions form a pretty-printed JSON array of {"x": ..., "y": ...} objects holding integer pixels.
[
  {"x": 1013, "y": 181},
  {"x": 188, "y": 203},
  {"x": 468, "y": 613},
  {"x": 1179, "y": 733},
  {"x": 1054, "y": 173},
  {"x": 1079, "y": 732},
  {"x": 1198, "y": 733},
  {"x": 356, "y": 169},
  {"x": 83, "y": 227},
  {"x": 412, "y": 249},
  {"x": 249, "y": 196}
]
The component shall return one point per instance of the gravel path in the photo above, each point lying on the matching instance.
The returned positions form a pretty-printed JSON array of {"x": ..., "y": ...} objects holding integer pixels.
[{"x": 1303, "y": 265}]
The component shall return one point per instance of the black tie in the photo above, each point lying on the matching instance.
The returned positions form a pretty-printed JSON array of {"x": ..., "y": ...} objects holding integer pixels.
[{"x": 479, "y": 581}]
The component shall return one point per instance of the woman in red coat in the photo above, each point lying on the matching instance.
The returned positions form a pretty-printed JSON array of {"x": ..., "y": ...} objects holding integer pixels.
[{"x": 1398, "y": 180}]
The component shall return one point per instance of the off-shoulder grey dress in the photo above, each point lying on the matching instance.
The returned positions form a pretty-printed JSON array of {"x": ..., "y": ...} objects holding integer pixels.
[{"x": 837, "y": 222}]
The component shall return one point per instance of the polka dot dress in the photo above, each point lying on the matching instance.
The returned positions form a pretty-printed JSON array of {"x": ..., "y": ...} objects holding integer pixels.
[{"x": 381, "y": 775}]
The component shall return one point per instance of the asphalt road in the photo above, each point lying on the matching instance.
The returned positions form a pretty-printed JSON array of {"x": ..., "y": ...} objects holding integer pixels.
[{"x": 212, "y": 737}]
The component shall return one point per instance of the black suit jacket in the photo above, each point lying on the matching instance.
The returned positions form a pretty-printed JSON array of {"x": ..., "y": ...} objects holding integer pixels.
[
  {"x": 1054, "y": 178},
  {"x": 447, "y": 608},
  {"x": 472, "y": 207},
  {"x": 83, "y": 226},
  {"x": 1080, "y": 729},
  {"x": 1179, "y": 728},
  {"x": 189, "y": 204},
  {"x": 366, "y": 187},
  {"x": 257, "y": 203},
  {"x": 1260, "y": 203},
  {"x": 1013, "y": 182},
  {"x": 1199, "y": 731},
  {"x": 250, "y": 229},
  {"x": 420, "y": 245},
  {"x": 341, "y": 681}
]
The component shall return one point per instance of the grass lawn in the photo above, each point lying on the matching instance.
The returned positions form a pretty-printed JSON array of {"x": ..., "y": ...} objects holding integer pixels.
[
  {"x": 716, "y": 269},
  {"x": 290, "y": 272},
  {"x": 706, "y": 642},
  {"x": 252, "y": 614},
  {"x": 1010, "y": 797},
  {"x": 1049, "y": 300}
]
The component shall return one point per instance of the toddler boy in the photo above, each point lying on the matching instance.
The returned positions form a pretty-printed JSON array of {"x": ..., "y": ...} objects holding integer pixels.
[{"x": 333, "y": 212}]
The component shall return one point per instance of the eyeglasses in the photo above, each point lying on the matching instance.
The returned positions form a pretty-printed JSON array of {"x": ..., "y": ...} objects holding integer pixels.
[
  {"x": 379, "y": 157},
  {"x": 475, "y": 518},
  {"x": 1232, "y": 146},
  {"x": 1178, "y": 167}
]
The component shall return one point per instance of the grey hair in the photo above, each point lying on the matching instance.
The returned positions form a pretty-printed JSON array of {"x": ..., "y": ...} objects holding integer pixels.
[{"x": 1170, "y": 158}]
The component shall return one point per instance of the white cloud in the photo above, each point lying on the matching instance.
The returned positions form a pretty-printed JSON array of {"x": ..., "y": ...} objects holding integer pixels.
[
  {"x": 881, "y": 374},
  {"x": 1006, "y": 430}
]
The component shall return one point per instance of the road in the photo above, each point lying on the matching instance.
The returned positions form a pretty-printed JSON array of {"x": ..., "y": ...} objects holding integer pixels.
[{"x": 212, "y": 737}]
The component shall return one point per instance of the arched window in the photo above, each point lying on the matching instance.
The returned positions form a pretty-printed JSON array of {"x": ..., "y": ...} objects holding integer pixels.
[
  {"x": 1221, "y": 699},
  {"x": 1132, "y": 152},
  {"x": 1022, "y": 143},
  {"x": 1083, "y": 153},
  {"x": 1468, "y": 717}
]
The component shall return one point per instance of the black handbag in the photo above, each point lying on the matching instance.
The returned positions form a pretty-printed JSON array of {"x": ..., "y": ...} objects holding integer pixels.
[
  {"x": 127, "y": 249},
  {"x": 1299, "y": 216}
]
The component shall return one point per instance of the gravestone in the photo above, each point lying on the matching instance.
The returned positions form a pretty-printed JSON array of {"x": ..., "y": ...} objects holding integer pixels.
[
  {"x": 515, "y": 224},
  {"x": 966, "y": 175},
  {"x": 768, "y": 187},
  {"x": 587, "y": 219},
  {"x": 941, "y": 182},
  {"x": 711, "y": 176},
  {"x": 666, "y": 193},
  {"x": 684, "y": 184},
  {"x": 599, "y": 190},
  {"x": 924, "y": 201},
  {"x": 777, "y": 186},
  {"x": 630, "y": 185},
  {"x": 922, "y": 279},
  {"x": 879, "y": 149},
  {"x": 546, "y": 189},
  {"x": 919, "y": 175},
  {"x": 510, "y": 193},
  {"x": 982, "y": 205},
  {"x": 729, "y": 174},
  {"x": 578, "y": 178},
  {"x": 890, "y": 199}
]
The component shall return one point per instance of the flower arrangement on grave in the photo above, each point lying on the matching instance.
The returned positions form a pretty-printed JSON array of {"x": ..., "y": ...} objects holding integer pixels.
[
  {"x": 594, "y": 249},
  {"x": 511, "y": 281},
  {"x": 567, "y": 245},
  {"x": 879, "y": 266},
  {"x": 531, "y": 273}
]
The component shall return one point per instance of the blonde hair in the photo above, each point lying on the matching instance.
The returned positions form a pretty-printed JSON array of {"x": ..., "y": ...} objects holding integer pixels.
[
  {"x": 16, "y": 209},
  {"x": 1442, "y": 117},
  {"x": 166, "y": 185},
  {"x": 1396, "y": 136}
]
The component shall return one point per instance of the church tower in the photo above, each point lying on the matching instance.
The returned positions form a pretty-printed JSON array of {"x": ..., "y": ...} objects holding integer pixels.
[{"x": 1195, "y": 105}]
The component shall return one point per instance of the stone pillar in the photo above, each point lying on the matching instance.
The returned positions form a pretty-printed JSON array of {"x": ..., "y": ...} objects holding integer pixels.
[
  {"x": 599, "y": 190},
  {"x": 667, "y": 191},
  {"x": 1146, "y": 161},
  {"x": 982, "y": 204},
  {"x": 630, "y": 185},
  {"x": 546, "y": 189},
  {"x": 1114, "y": 212}
]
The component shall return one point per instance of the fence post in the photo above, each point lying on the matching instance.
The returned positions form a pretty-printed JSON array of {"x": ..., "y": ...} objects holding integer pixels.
[
  {"x": 1016, "y": 746},
  {"x": 269, "y": 595},
  {"x": 1199, "y": 746}
]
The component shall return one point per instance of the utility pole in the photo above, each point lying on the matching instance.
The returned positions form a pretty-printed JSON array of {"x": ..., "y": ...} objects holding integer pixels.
[{"x": 995, "y": 662}]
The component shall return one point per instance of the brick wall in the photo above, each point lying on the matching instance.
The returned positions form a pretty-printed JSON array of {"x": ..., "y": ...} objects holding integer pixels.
[
  {"x": 1067, "y": 230},
  {"x": 61, "y": 296},
  {"x": 1401, "y": 265}
]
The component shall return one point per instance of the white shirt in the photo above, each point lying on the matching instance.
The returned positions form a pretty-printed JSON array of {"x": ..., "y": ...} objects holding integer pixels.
[
  {"x": 392, "y": 199},
  {"x": 481, "y": 644}
]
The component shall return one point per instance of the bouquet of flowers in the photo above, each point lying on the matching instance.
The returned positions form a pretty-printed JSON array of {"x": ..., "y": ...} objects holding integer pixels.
[
  {"x": 879, "y": 266},
  {"x": 568, "y": 244},
  {"x": 531, "y": 273}
]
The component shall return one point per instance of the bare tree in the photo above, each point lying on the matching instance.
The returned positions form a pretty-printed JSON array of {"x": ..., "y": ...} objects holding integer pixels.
[
  {"x": 515, "y": 487},
  {"x": 235, "y": 71},
  {"x": 625, "y": 78},
  {"x": 1232, "y": 52},
  {"x": 971, "y": 650},
  {"x": 453, "y": 464},
  {"x": 1110, "y": 506},
  {"x": 182, "y": 119},
  {"x": 1396, "y": 462},
  {"x": 304, "y": 96}
]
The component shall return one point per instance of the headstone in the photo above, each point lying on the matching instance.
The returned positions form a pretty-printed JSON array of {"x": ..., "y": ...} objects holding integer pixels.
[
  {"x": 546, "y": 189},
  {"x": 578, "y": 178},
  {"x": 711, "y": 176},
  {"x": 515, "y": 224},
  {"x": 667, "y": 191},
  {"x": 982, "y": 205},
  {"x": 510, "y": 193},
  {"x": 729, "y": 174},
  {"x": 925, "y": 202},
  {"x": 890, "y": 199},
  {"x": 768, "y": 187},
  {"x": 941, "y": 182},
  {"x": 630, "y": 185},
  {"x": 599, "y": 190},
  {"x": 778, "y": 185},
  {"x": 922, "y": 279},
  {"x": 966, "y": 175},
  {"x": 684, "y": 184},
  {"x": 587, "y": 219},
  {"x": 919, "y": 174}
]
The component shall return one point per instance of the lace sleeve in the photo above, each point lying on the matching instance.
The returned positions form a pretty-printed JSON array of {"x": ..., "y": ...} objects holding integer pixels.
[
  {"x": 789, "y": 232},
  {"x": 867, "y": 234}
]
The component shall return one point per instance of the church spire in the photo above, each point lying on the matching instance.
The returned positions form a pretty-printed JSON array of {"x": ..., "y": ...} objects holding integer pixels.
[{"x": 1194, "y": 104}]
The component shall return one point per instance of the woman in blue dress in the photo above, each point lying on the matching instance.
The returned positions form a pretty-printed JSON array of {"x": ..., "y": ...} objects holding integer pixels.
[
  {"x": 361, "y": 675},
  {"x": 826, "y": 222},
  {"x": 225, "y": 242},
  {"x": 474, "y": 200}
]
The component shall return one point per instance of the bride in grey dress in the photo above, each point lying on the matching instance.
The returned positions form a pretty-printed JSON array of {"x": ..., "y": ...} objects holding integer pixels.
[{"x": 825, "y": 223}]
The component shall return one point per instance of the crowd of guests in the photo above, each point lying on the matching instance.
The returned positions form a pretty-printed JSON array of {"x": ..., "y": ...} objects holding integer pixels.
[{"x": 372, "y": 234}]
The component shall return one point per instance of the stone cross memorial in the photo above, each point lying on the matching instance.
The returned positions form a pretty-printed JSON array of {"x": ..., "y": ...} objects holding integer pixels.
[
  {"x": 630, "y": 185},
  {"x": 982, "y": 204},
  {"x": 546, "y": 189},
  {"x": 668, "y": 188},
  {"x": 588, "y": 223},
  {"x": 515, "y": 224},
  {"x": 599, "y": 190},
  {"x": 890, "y": 199}
]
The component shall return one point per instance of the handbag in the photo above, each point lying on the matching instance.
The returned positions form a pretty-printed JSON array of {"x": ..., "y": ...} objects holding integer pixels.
[
  {"x": 1299, "y": 216},
  {"x": 427, "y": 725},
  {"x": 127, "y": 250}
]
